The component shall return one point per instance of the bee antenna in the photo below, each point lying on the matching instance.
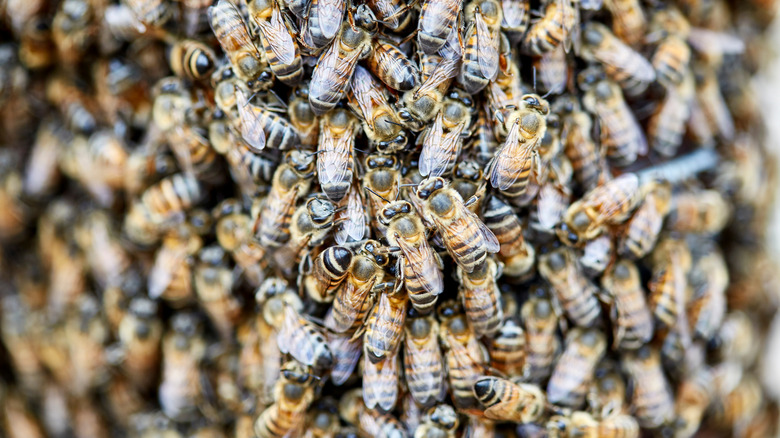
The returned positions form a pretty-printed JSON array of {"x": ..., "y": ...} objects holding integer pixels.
[
  {"x": 534, "y": 79},
  {"x": 394, "y": 123},
  {"x": 548, "y": 93},
  {"x": 407, "y": 185},
  {"x": 397, "y": 195},
  {"x": 314, "y": 153},
  {"x": 377, "y": 194},
  {"x": 363, "y": 151}
]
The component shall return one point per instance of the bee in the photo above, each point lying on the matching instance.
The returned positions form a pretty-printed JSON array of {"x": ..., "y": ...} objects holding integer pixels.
[
  {"x": 621, "y": 136},
  {"x": 440, "y": 421},
  {"x": 370, "y": 422},
  {"x": 633, "y": 323},
  {"x": 194, "y": 153},
  {"x": 302, "y": 116},
  {"x": 553, "y": 70},
  {"x": 334, "y": 159},
  {"x": 393, "y": 14},
  {"x": 291, "y": 182},
  {"x": 508, "y": 401},
  {"x": 651, "y": 398},
  {"x": 233, "y": 233},
  {"x": 482, "y": 41},
  {"x": 303, "y": 340},
  {"x": 513, "y": 163},
  {"x": 261, "y": 125},
  {"x": 213, "y": 283},
  {"x": 419, "y": 266},
  {"x": 709, "y": 278},
  {"x": 17, "y": 336},
  {"x": 596, "y": 255},
  {"x": 36, "y": 48},
  {"x": 628, "y": 20},
  {"x": 693, "y": 397},
  {"x": 281, "y": 50},
  {"x": 698, "y": 211},
  {"x": 383, "y": 177},
  {"x": 463, "y": 354},
  {"x": 672, "y": 56},
  {"x": 560, "y": 20},
  {"x": 610, "y": 203},
  {"x": 380, "y": 381},
  {"x": 423, "y": 360},
  {"x": 578, "y": 146},
  {"x": 621, "y": 63},
  {"x": 76, "y": 107},
  {"x": 710, "y": 102},
  {"x": 484, "y": 144},
  {"x": 334, "y": 70},
  {"x": 515, "y": 18},
  {"x": 192, "y": 60},
  {"x": 442, "y": 141},
  {"x": 504, "y": 96},
  {"x": 231, "y": 32},
  {"x": 325, "y": 274},
  {"x": 323, "y": 19},
  {"x": 183, "y": 347},
  {"x": 388, "y": 63},
  {"x": 507, "y": 349},
  {"x": 540, "y": 322},
  {"x": 170, "y": 198},
  {"x": 642, "y": 229},
  {"x": 577, "y": 295},
  {"x": 151, "y": 13},
  {"x": 438, "y": 19},
  {"x": 351, "y": 217},
  {"x": 468, "y": 181},
  {"x": 742, "y": 403},
  {"x": 380, "y": 121},
  {"x": 107, "y": 258},
  {"x": 576, "y": 366},
  {"x": 666, "y": 126},
  {"x": 467, "y": 239},
  {"x": 171, "y": 275},
  {"x": 581, "y": 423},
  {"x": 355, "y": 298},
  {"x": 481, "y": 297},
  {"x": 293, "y": 394},
  {"x": 385, "y": 324},
  {"x": 607, "y": 393},
  {"x": 323, "y": 420},
  {"x": 309, "y": 227}
]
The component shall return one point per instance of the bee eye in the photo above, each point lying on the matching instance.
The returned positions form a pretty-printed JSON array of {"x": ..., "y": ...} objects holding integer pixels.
[
  {"x": 405, "y": 208},
  {"x": 438, "y": 184},
  {"x": 381, "y": 259},
  {"x": 372, "y": 164}
]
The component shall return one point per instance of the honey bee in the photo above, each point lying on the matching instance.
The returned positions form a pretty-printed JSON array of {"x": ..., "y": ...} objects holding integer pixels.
[
  {"x": 302, "y": 116},
  {"x": 628, "y": 20},
  {"x": 380, "y": 381},
  {"x": 385, "y": 324},
  {"x": 309, "y": 227},
  {"x": 576, "y": 294},
  {"x": 694, "y": 395},
  {"x": 167, "y": 200},
  {"x": 17, "y": 336},
  {"x": 182, "y": 350},
  {"x": 621, "y": 63},
  {"x": 351, "y": 217},
  {"x": 423, "y": 361},
  {"x": 233, "y": 233},
  {"x": 355, "y": 298},
  {"x": 482, "y": 41},
  {"x": 508, "y": 401},
  {"x": 710, "y": 102},
  {"x": 610, "y": 203},
  {"x": 76, "y": 107},
  {"x": 151, "y": 13},
  {"x": 578, "y": 146},
  {"x": 515, "y": 18},
  {"x": 195, "y": 154},
  {"x": 291, "y": 182},
  {"x": 596, "y": 255},
  {"x": 281, "y": 50},
  {"x": 553, "y": 70},
  {"x": 292, "y": 396},
  {"x": 576, "y": 366},
  {"x": 261, "y": 125},
  {"x": 442, "y": 141},
  {"x": 106, "y": 257},
  {"x": 334, "y": 70},
  {"x": 709, "y": 278},
  {"x": 607, "y": 394},
  {"x": 507, "y": 349},
  {"x": 672, "y": 55},
  {"x": 171, "y": 275},
  {"x": 303, "y": 340},
  {"x": 621, "y": 136},
  {"x": 42, "y": 174},
  {"x": 581, "y": 423},
  {"x": 389, "y": 63},
  {"x": 323, "y": 420},
  {"x": 484, "y": 144},
  {"x": 420, "y": 269},
  {"x": 383, "y": 177},
  {"x": 380, "y": 120},
  {"x": 541, "y": 322},
  {"x": 467, "y": 239},
  {"x": 346, "y": 351},
  {"x": 481, "y": 297},
  {"x": 393, "y": 14},
  {"x": 642, "y": 229},
  {"x": 324, "y": 276},
  {"x": 231, "y": 32},
  {"x": 513, "y": 163},
  {"x": 464, "y": 356},
  {"x": 36, "y": 48},
  {"x": 468, "y": 180},
  {"x": 742, "y": 403},
  {"x": 504, "y": 96},
  {"x": 666, "y": 126},
  {"x": 698, "y": 211},
  {"x": 370, "y": 422},
  {"x": 438, "y": 19},
  {"x": 140, "y": 330},
  {"x": 560, "y": 20},
  {"x": 192, "y": 59},
  {"x": 213, "y": 283},
  {"x": 323, "y": 19},
  {"x": 334, "y": 159},
  {"x": 440, "y": 421},
  {"x": 651, "y": 398},
  {"x": 633, "y": 323}
]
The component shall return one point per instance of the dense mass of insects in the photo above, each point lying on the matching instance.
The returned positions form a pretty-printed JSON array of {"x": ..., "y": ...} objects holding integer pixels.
[{"x": 384, "y": 218}]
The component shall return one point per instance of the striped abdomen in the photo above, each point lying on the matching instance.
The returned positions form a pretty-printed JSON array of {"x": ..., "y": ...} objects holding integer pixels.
[
  {"x": 642, "y": 229},
  {"x": 504, "y": 223},
  {"x": 276, "y": 217},
  {"x": 651, "y": 399},
  {"x": 507, "y": 349},
  {"x": 330, "y": 268},
  {"x": 437, "y": 19},
  {"x": 628, "y": 20},
  {"x": 671, "y": 60},
  {"x": 171, "y": 196},
  {"x": 350, "y": 307},
  {"x": 549, "y": 32},
  {"x": 193, "y": 151},
  {"x": 384, "y": 327},
  {"x": 422, "y": 300},
  {"x": 380, "y": 383},
  {"x": 324, "y": 20},
  {"x": 424, "y": 369},
  {"x": 482, "y": 299},
  {"x": 463, "y": 372},
  {"x": 541, "y": 341},
  {"x": 346, "y": 353},
  {"x": 620, "y": 132},
  {"x": 575, "y": 369},
  {"x": 279, "y": 133},
  {"x": 151, "y": 12},
  {"x": 580, "y": 149},
  {"x": 276, "y": 422},
  {"x": 465, "y": 244},
  {"x": 634, "y": 320},
  {"x": 471, "y": 75},
  {"x": 666, "y": 127},
  {"x": 580, "y": 302}
]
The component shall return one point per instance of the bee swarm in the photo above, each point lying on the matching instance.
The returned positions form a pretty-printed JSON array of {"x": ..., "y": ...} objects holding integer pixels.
[{"x": 391, "y": 218}]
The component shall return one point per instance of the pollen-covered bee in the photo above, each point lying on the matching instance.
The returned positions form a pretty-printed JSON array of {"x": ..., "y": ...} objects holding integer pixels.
[
  {"x": 483, "y": 40},
  {"x": 380, "y": 120},
  {"x": 281, "y": 49},
  {"x": 293, "y": 394},
  {"x": 423, "y": 360},
  {"x": 442, "y": 141},
  {"x": 303, "y": 340},
  {"x": 389, "y": 63},
  {"x": 576, "y": 366},
  {"x": 333, "y": 73},
  {"x": 560, "y": 20},
  {"x": 481, "y": 297},
  {"x": 541, "y": 322},
  {"x": 576, "y": 294},
  {"x": 633, "y": 323},
  {"x": 334, "y": 153},
  {"x": 231, "y": 31},
  {"x": 651, "y": 399},
  {"x": 466, "y": 237},
  {"x": 508, "y": 401},
  {"x": 621, "y": 63},
  {"x": 643, "y": 227},
  {"x": 419, "y": 265},
  {"x": 192, "y": 59},
  {"x": 438, "y": 19}
]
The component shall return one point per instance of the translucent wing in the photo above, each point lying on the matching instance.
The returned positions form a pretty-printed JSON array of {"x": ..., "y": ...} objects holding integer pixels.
[
  {"x": 421, "y": 376},
  {"x": 331, "y": 15},
  {"x": 418, "y": 260},
  {"x": 168, "y": 260},
  {"x": 619, "y": 55},
  {"x": 349, "y": 297},
  {"x": 516, "y": 13},
  {"x": 431, "y": 149},
  {"x": 550, "y": 206},
  {"x": 334, "y": 158},
  {"x": 251, "y": 122},
  {"x": 365, "y": 94},
  {"x": 458, "y": 227},
  {"x": 431, "y": 17},
  {"x": 491, "y": 242},
  {"x": 445, "y": 69},
  {"x": 353, "y": 227},
  {"x": 446, "y": 153},
  {"x": 714, "y": 42},
  {"x": 329, "y": 71},
  {"x": 487, "y": 48},
  {"x": 512, "y": 159},
  {"x": 380, "y": 383},
  {"x": 269, "y": 221},
  {"x": 346, "y": 353},
  {"x": 278, "y": 37},
  {"x": 384, "y": 337},
  {"x": 605, "y": 199}
]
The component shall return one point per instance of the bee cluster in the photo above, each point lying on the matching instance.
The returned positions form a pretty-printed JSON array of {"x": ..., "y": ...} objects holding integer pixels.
[{"x": 389, "y": 218}]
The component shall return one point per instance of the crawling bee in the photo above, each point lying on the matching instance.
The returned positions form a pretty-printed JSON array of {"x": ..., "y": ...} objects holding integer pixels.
[
  {"x": 183, "y": 348},
  {"x": 390, "y": 64},
  {"x": 334, "y": 153},
  {"x": 423, "y": 360},
  {"x": 380, "y": 387},
  {"x": 628, "y": 20},
  {"x": 231, "y": 32},
  {"x": 482, "y": 42},
  {"x": 383, "y": 177},
  {"x": 651, "y": 399},
  {"x": 323, "y": 20},
  {"x": 302, "y": 116},
  {"x": 540, "y": 323},
  {"x": 385, "y": 324},
  {"x": 576, "y": 294},
  {"x": 380, "y": 120},
  {"x": 310, "y": 225},
  {"x": 463, "y": 354},
  {"x": 440, "y": 421},
  {"x": 508, "y": 401},
  {"x": 559, "y": 25},
  {"x": 481, "y": 297},
  {"x": 576, "y": 366},
  {"x": 642, "y": 229},
  {"x": 633, "y": 323},
  {"x": 442, "y": 141},
  {"x": 292, "y": 396},
  {"x": 303, "y": 340},
  {"x": 324, "y": 275},
  {"x": 621, "y": 63},
  {"x": 394, "y": 14},
  {"x": 437, "y": 21},
  {"x": 281, "y": 50}
]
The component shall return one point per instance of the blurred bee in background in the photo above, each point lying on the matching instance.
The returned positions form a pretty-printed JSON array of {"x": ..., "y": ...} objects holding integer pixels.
[
  {"x": 693, "y": 397},
  {"x": 542, "y": 343},
  {"x": 440, "y": 421},
  {"x": 515, "y": 18},
  {"x": 606, "y": 395},
  {"x": 505, "y": 400},
  {"x": 709, "y": 278},
  {"x": 192, "y": 60},
  {"x": 302, "y": 116},
  {"x": 628, "y": 20},
  {"x": 576, "y": 294},
  {"x": 293, "y": 394},
  {"x": 440, "y": 149},
  {"x": 153, "y": 14},
  {"x": 183, "y": 348},
  {"x": 633, "y": 323},
  {"x": 597, "y": 254},
  {"x": 171, "y": 275},
  {"x": 553, "y": 70},
  {"x": 671, "y": 60},
  {"x": 483, "y": 42},
  {"x": 390, "y": 64},
  {"x": 281, "y": 50},
  {"x": 581, "y": 423},
  {"x": 481, "y": 297},
  {"x": 36, "y": 47},
  {"x": 334, "y": 153},
  {"x": 507, "y": 348},
  {"x": 578, "y": 146},
  {"x": 303, "y": 340},
  {"x": 380, "y": 120},
  {"x": 698, "y": 211},
  {"x": 423, "y": 360},
  {"x": 323, "y": 420},
  {"x": 666, "y": 127},
  {"x": 73, "y": 29},
  {"x": 574, "y": 371},
  {"x": 483, "y": 144},
  {"x": 711, "y": 103},
  {"x": 620, "y": 62},
  {"x": 232, "y": 228},
  {"x": 213, "y": 284},
  {"x": 230, "y": 29},
  {"x": 651, "y": 398},
  {"x": 463, "y": 354},
  {"x": 558, "y": 26},
  {"x": 395, "y": 15}
]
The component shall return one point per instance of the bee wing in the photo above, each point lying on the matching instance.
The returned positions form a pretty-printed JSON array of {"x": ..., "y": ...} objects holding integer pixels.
[
  {"x": 251, "y": 122},
  {"x": 621, "y": 56},
  {"x": 491, "y": 242},
  {"x": 378, "y": 378},
  {"x": 329, "y": 69},
  {"x": 161, "y": 274},
  {"x": 354, "y": 226},
  {"x": 714, "y": 42},
  {"x": 513, "y": 156},
  {"x": 418, "y": 259},
  {"x": 346, "y": 353},
  {"x": 331, "y": 15},
  {"x": 333, "y": 160},
  {"x": 448, "y": 151},
  {"x": 431, "y": 154},
  {"x": 383, "y": 333},
  {"x": 607, "y": 202},
  {"x": 278, "y": 37},
  {"x": 516, "y": 13},
  {"x": 352, "y": 298},
  {"x": 445, "y": 69},
  {"x": 365, "y": 94},
  {"x": 551, "y": 206},
  {"x": 431, "y": 17},
  {"x": 420, "y": 374},
  {"x": 487, "y": 48},
  {"x": 271, "y": 221}
]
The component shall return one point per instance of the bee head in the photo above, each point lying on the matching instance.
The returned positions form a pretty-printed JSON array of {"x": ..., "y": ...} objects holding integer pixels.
[
  {"x": 320, "y": 209},
  {"x": 535, "y": 102},
  {"x": 428, "y": 186}
]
